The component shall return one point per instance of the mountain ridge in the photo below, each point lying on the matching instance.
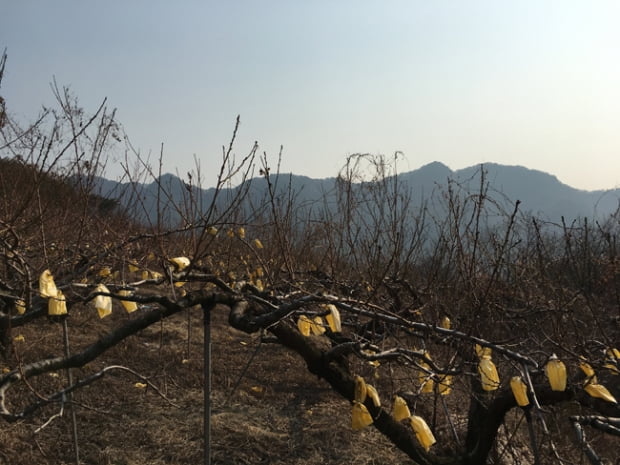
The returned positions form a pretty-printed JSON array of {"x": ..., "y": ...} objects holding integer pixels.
[{"x": 540, "y": 194}]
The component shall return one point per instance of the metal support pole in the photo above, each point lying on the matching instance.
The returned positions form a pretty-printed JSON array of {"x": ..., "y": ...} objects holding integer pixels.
[
  {"x": 206, "y": 310},
  {"x": 69, "y": 396}
]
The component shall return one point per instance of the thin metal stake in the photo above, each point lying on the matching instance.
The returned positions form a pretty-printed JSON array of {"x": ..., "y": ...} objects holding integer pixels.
[
  {"x": 65, "y": 334},
  {"x": 206, "y": 311}
]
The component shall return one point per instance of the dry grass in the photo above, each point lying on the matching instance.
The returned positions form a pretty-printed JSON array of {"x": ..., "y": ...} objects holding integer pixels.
[{"x": 276, "y": 413}]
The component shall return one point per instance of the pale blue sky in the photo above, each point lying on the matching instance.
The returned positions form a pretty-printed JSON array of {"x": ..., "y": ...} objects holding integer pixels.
[{"x": 533, "y": 83}]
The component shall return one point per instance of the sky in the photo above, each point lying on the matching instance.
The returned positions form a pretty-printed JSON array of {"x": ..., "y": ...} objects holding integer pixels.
[{"x": 534, "y": 83}]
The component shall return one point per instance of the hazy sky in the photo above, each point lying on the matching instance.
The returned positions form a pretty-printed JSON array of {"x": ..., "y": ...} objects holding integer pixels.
[{"x": 533, "y": 83}]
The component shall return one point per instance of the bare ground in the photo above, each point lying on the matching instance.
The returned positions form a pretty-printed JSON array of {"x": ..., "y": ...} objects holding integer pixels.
[{"x": 266, "y": 407}]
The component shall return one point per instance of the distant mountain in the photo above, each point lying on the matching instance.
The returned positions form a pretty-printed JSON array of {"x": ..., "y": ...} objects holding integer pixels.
[{"x": 541, "y": 194}]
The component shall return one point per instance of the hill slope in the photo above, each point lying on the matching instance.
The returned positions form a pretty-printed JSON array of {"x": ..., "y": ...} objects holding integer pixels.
[{"x": 541, "y": 194}]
